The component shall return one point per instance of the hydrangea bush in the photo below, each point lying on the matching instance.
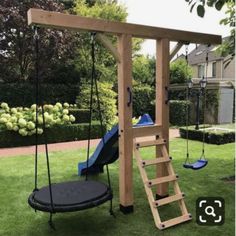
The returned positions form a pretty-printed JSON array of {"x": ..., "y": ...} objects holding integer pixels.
[{"x": 23, "y": 120}]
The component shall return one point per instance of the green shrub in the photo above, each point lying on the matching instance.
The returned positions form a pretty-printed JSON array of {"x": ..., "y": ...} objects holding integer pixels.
[
  {"x": 23, "y": 94},
  {"x": 212, "y": 104},
  {"x": 55, "y": 134},
  {"x": 180, "y": 72},
  {"x": 107, "y": 99},
  {"x": 23, "y": 120},
  {"x": 178, "y": 112},
  {"x": 210, "y": 136},
  {"x": 143, "y": 97},
  {"x": 144, "y": 69},
  {"x": 179, "y": 94},
  {"x": 81, "y": 115}
]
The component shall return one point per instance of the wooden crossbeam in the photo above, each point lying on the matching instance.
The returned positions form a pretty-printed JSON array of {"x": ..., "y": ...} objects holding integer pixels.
[
  {"x": 155, "y": 161},
  {"x": 168, "y": 200},
  {"x": 73, "y": 22},
  {"x": 109, "y": 46},
  {"x": 146, "y": 130},
  {"x": 176, "y": 221},
  {"x": 161, "y": 180},
  {"x": 150, "y": 143},
  {"x": 176, "y": 48}
]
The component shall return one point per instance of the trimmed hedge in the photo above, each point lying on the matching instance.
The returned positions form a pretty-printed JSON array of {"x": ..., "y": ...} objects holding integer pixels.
[
  {"x": 55, "y": 134},
  {"x": 212, "y": 105},
  {"x": 23, "y": 94},
  {"x": 143, "y": 97},
  {"x": 210, "y": 137},
  {"x": 178, "y": 112},
  {"x": 81, "y": 115},
  {"x": 178, "y": 94}
]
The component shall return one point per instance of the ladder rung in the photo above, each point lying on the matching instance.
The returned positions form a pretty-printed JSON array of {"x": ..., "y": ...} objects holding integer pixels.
[
  {"x": 175, "y": 221},
  {"x": 161, "y": 180},
  {"x": 150, "y": 143},
  {"x": 167, "y": 200},
  {"x": 155, "y": 161}
]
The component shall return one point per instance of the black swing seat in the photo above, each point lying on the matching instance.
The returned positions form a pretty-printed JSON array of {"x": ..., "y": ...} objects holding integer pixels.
[
  {"x": 70, "y": 196},
  {"x": 199, "y": 164}
]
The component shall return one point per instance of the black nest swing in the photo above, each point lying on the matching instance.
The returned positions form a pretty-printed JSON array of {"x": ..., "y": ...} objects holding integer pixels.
[{"x": 73, "y": 195}]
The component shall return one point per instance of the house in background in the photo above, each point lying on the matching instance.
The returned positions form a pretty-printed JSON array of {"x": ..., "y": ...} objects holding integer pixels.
[
  {"x": 221, "y": 81},
  {"x": 216, "y": 69}
]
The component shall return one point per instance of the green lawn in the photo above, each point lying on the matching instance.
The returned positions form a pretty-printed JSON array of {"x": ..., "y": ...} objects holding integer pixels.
[
  {"x": 226, "y": 126},
  {"x": 18, "y": 219}
]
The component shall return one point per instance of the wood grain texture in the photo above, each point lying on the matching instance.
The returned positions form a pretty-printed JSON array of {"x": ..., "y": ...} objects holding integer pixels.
[
  {"x": 73, "y": 22},
  {"x": 109, "y": 46},
  {"x": 146, "y": 131},
  {"x": 162, "y": 109},
  {"x": 125, "y": 121}
]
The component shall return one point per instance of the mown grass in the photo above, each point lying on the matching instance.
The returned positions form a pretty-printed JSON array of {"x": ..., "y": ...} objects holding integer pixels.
[{"x": 17, "y": 180}]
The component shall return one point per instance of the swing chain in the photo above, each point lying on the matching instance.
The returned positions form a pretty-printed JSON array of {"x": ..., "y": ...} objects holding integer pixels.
[
  {"x": 187, "y": 108},
  {"x": 36, "y": 34},
  {"x": 204, "y": 105},
  {"x": 186, "y": 53}
]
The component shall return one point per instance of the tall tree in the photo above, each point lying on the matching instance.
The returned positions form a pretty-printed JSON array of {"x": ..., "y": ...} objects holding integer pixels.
[
  {"x": 105, "y": 63},
  {"x": 16, "y": 44}
]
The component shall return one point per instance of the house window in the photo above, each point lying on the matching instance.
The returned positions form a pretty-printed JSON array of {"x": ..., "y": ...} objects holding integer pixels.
[
  {"x": 201, "y": 69},
  {"x": 214, "y": 69}
]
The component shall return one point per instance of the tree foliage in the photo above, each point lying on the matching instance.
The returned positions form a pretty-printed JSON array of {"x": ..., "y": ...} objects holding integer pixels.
[
  {"x": 16, "y": 40},
  {"x": 65, "y": 55},
  {"x": 105, "y": 63},
  {"x": 144, "y": 69},
  {"x": 107, "y": 98},
  {"x": 228, "y": 47},
  {"x": 144, "y": 95},
  {"x": 180, "y": 72}
]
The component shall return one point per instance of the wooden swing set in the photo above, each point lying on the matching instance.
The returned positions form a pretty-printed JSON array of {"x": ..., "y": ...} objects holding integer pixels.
[{"x": 129, "y": 136}]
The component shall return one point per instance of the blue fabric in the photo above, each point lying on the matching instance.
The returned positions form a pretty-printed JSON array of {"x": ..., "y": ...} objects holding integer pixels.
[
  {"x": 199, "y": 164},
  {"x": 144, "y": 121}
]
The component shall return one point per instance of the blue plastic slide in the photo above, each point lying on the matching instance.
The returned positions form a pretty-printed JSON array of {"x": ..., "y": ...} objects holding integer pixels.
[{"x": 107, "y": 150}]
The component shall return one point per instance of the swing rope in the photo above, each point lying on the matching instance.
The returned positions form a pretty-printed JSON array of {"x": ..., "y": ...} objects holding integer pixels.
[
  {"x": 39, "y": 104},
  {"x": 95, "y": 82},
  {"x": 90, "y": 105},
  {"x": 204, "y": 107},
  {"x": 202, "y": 160},
  {"x": 187, "y": 107},
  {"x": 36, "y": 39},
  {"x": 71, "y": 195}
]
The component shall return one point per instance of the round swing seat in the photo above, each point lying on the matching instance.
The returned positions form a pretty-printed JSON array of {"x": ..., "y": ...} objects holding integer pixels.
[
  {"x": 70, "y": 196},
  {"x": 199, "y": 164}
]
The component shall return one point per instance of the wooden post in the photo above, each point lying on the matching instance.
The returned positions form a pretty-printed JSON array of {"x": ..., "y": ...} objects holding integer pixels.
[
  {"x": 125, "y": 123},
  {"x": 162, "y": 109}
]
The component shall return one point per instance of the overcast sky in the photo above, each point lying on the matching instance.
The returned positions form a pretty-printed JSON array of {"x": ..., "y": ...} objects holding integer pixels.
[{"x": 173, "y": 14}]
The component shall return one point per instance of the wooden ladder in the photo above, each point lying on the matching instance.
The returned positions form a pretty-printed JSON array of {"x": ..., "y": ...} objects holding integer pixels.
[{"x": 149, "y": 183}]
